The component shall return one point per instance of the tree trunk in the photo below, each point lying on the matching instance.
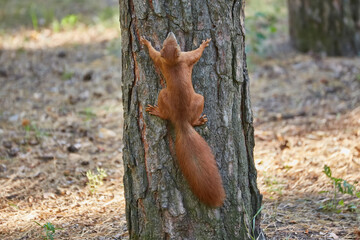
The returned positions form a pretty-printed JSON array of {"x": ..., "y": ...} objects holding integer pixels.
[
  {"x": 159, "y": 203},
  {"x": 330, "y": 26}
]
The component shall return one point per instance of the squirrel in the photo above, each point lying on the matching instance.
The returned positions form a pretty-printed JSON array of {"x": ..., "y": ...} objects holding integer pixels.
[{"x": 179, "y": 104}]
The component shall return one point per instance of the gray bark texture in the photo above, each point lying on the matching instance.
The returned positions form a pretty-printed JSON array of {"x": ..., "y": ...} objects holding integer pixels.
[
  {"x": 159, "y": 203},
  {"x": 325, "y": 26}
]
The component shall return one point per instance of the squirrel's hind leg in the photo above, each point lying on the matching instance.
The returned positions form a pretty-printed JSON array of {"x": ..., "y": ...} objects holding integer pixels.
[
  {"x": 200, "y": 121},
  {"x": 197, "y": 109},
  {"x": 162, "y": 109}
]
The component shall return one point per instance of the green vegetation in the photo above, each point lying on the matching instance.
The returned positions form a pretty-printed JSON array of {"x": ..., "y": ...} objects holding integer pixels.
[
  {"x": 273, "y": 185},
  {"x": 251, "y": 232},
  {"x": 95, "y": 179},
  {"x": 260, "y": 27},
  {"x": 277, "y": 7},
  {"x": 57, "y": 15},
  {"x": 67, "y": 75},
  {"x": 34, "y": 18},
  {"x": 253, "y": 222},
  {"x": 49, "y": 230},
  {"x": 339, "y": 186},
  {"x": 66, "y": 23},
  {"x": 109, "y": 16},
  {"x": 69, "y": 21},
  {"x": 32, "y": 128},
  {"x": 88, "y": 113},
  {"x": 262, "y": 21},
  {"x": 13, "y": 205}
]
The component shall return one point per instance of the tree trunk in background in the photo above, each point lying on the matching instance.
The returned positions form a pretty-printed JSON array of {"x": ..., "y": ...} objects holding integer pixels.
[
  {"x": 159, "y": 203},
  {"x": 329, "y": 26}
]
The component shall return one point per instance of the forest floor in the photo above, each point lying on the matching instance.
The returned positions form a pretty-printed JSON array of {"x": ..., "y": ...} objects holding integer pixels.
[
  {"x": 307, "y": 115},
  {"x": 61, "y": 117}
]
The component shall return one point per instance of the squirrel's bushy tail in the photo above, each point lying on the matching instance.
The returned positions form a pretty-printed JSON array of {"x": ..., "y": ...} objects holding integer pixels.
[{"x": 198, "y": 165}]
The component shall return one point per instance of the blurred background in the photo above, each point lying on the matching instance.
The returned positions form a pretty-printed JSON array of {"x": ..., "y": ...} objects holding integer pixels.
[{"x": 61, "y": 118}]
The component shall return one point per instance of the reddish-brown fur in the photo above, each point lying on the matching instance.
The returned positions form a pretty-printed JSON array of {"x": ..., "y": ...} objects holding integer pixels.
[{"x": 179, "y": 103}]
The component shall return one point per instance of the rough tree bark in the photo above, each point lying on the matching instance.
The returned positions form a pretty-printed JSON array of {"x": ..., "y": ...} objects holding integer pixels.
[
  {"x": 330, "y": 26},
  {"x": 159, "y": 203}
]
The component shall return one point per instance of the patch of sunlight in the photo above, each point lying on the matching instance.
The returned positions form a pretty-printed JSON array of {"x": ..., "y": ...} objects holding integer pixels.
[{"x": 46, "y": 38}]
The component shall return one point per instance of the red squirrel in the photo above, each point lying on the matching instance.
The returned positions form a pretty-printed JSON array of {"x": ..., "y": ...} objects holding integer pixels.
[{"x": 179, "y": 104}]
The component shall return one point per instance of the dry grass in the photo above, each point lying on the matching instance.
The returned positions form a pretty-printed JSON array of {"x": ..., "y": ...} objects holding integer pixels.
[
  {"x": 42, "y": 180},
  {"x": 290, "y": 169},
  {"x": 312, "y": 120}
]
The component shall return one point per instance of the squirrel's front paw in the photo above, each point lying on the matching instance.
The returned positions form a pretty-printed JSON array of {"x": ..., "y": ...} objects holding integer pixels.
[
  {"x": 206, "y": 43},
  {"x": 144, "y": 41}
]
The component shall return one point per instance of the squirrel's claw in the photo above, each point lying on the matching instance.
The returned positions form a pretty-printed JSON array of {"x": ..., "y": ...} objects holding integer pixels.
[
  {"x": 143, "y": 40},
  {"x": 206, "y": 43}
]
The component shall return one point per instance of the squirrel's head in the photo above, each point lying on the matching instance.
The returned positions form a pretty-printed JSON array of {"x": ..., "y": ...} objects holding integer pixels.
[{"x": 171, "y": 49}]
